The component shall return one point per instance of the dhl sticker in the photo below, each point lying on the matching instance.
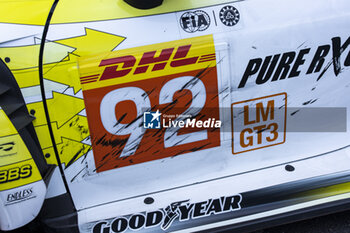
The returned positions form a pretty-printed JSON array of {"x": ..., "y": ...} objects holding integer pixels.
[
  {"x": 147, "y": 62},
  {"x": 176, "y": 79}
]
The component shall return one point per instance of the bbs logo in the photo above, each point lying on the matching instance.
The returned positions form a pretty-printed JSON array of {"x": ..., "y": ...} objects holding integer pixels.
[
  {"x": 15, "y": 173},
  {"x": 195, "y": 21}
]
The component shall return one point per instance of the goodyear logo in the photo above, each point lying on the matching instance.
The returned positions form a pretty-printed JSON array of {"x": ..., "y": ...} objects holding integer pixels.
[{"x": 165, "y": 217}]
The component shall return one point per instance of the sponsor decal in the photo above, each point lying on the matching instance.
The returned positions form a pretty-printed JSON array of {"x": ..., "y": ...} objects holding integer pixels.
[
  {"x": 259, "y": 123},
  {"x": 18, "y": 174},
  {"x": 176, "y": 79},
  {"x": 193, "y": 21},
  {"x": 15, "y": 173},
  {"x": 181, "y": 211},
  {"x": 7, "y": 149},
  {"x": 287, "y": 65},
  {"x": 133, "y": 66},
  {"x": 19, "y": 196},
  {"x": 229, "y": 16}
]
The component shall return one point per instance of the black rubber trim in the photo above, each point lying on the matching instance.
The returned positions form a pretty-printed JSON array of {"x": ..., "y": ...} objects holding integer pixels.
[
  {"x": 285, "y": 218},
  {"x": 144, "y": 4},
  {"x": 58, "y": 215},
  {"x": 42, "y": 88},
  {"x": 14, "y": 106},
  {"x": 275, "y": 197}
]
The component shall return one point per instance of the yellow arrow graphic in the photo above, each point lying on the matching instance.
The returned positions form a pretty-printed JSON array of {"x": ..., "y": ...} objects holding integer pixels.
[
  {"x": 93, "y": 42},
  {"x": 76, "y": 129},
  {"x": 60, "y": 66},
  {"x": 70, "y": 150},
  {"x": 26, "y": 57},
  {"x": 65, "y": 72},
  {"x": 71, "y": 128},
  {"x": 64, "y": 107}
]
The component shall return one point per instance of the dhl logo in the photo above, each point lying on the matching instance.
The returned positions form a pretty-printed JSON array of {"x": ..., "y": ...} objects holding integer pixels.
[
  {"x": 157, "y": 60},
  {"x": 121, "y": 66}
]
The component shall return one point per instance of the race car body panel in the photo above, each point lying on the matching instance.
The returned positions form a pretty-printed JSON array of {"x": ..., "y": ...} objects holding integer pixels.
[
  {"x": 22, "y": 190},
  {"x": 186, "y": 115},
  {"x": 23, "y": 169}
]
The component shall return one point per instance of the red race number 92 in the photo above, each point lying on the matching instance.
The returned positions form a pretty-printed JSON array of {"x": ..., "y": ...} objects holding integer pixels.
[{"x": 116, "y": 122}]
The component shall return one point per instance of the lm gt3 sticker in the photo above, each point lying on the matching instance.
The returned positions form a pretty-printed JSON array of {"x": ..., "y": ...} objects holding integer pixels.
[
  {"x": 181, "y": 210},
  {"x": 259, "y": 123}
]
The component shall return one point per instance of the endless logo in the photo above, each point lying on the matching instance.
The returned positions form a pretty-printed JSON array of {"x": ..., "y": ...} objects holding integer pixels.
[
  {"x": 195, "y": 21},
  {"x": 183, "y": 210},
  {"x": 20, "y": 196}
]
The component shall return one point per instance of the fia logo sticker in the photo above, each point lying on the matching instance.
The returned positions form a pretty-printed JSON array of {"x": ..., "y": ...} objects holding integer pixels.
[{"x": 193, "y": 21}]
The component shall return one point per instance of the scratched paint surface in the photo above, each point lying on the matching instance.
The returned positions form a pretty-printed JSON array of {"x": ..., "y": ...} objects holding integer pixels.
[{"x": 194, "y": 91}]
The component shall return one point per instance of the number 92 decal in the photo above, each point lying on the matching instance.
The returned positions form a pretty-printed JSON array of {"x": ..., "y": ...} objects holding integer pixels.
[{"x": 116, "y": 117}]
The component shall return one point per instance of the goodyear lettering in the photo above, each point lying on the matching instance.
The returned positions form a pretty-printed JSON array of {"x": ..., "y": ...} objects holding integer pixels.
[
  {"x": 182, "y": 210},
  {"x": 287, "y": 65}
]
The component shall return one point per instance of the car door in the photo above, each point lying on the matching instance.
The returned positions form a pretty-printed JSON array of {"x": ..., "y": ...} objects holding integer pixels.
[{"x": 196, "y": 112}]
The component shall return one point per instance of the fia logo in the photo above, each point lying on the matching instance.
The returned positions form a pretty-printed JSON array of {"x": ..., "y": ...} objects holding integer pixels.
[
  {"x": 195, "y": 21},
  {"x": 151, "y": 120}
]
